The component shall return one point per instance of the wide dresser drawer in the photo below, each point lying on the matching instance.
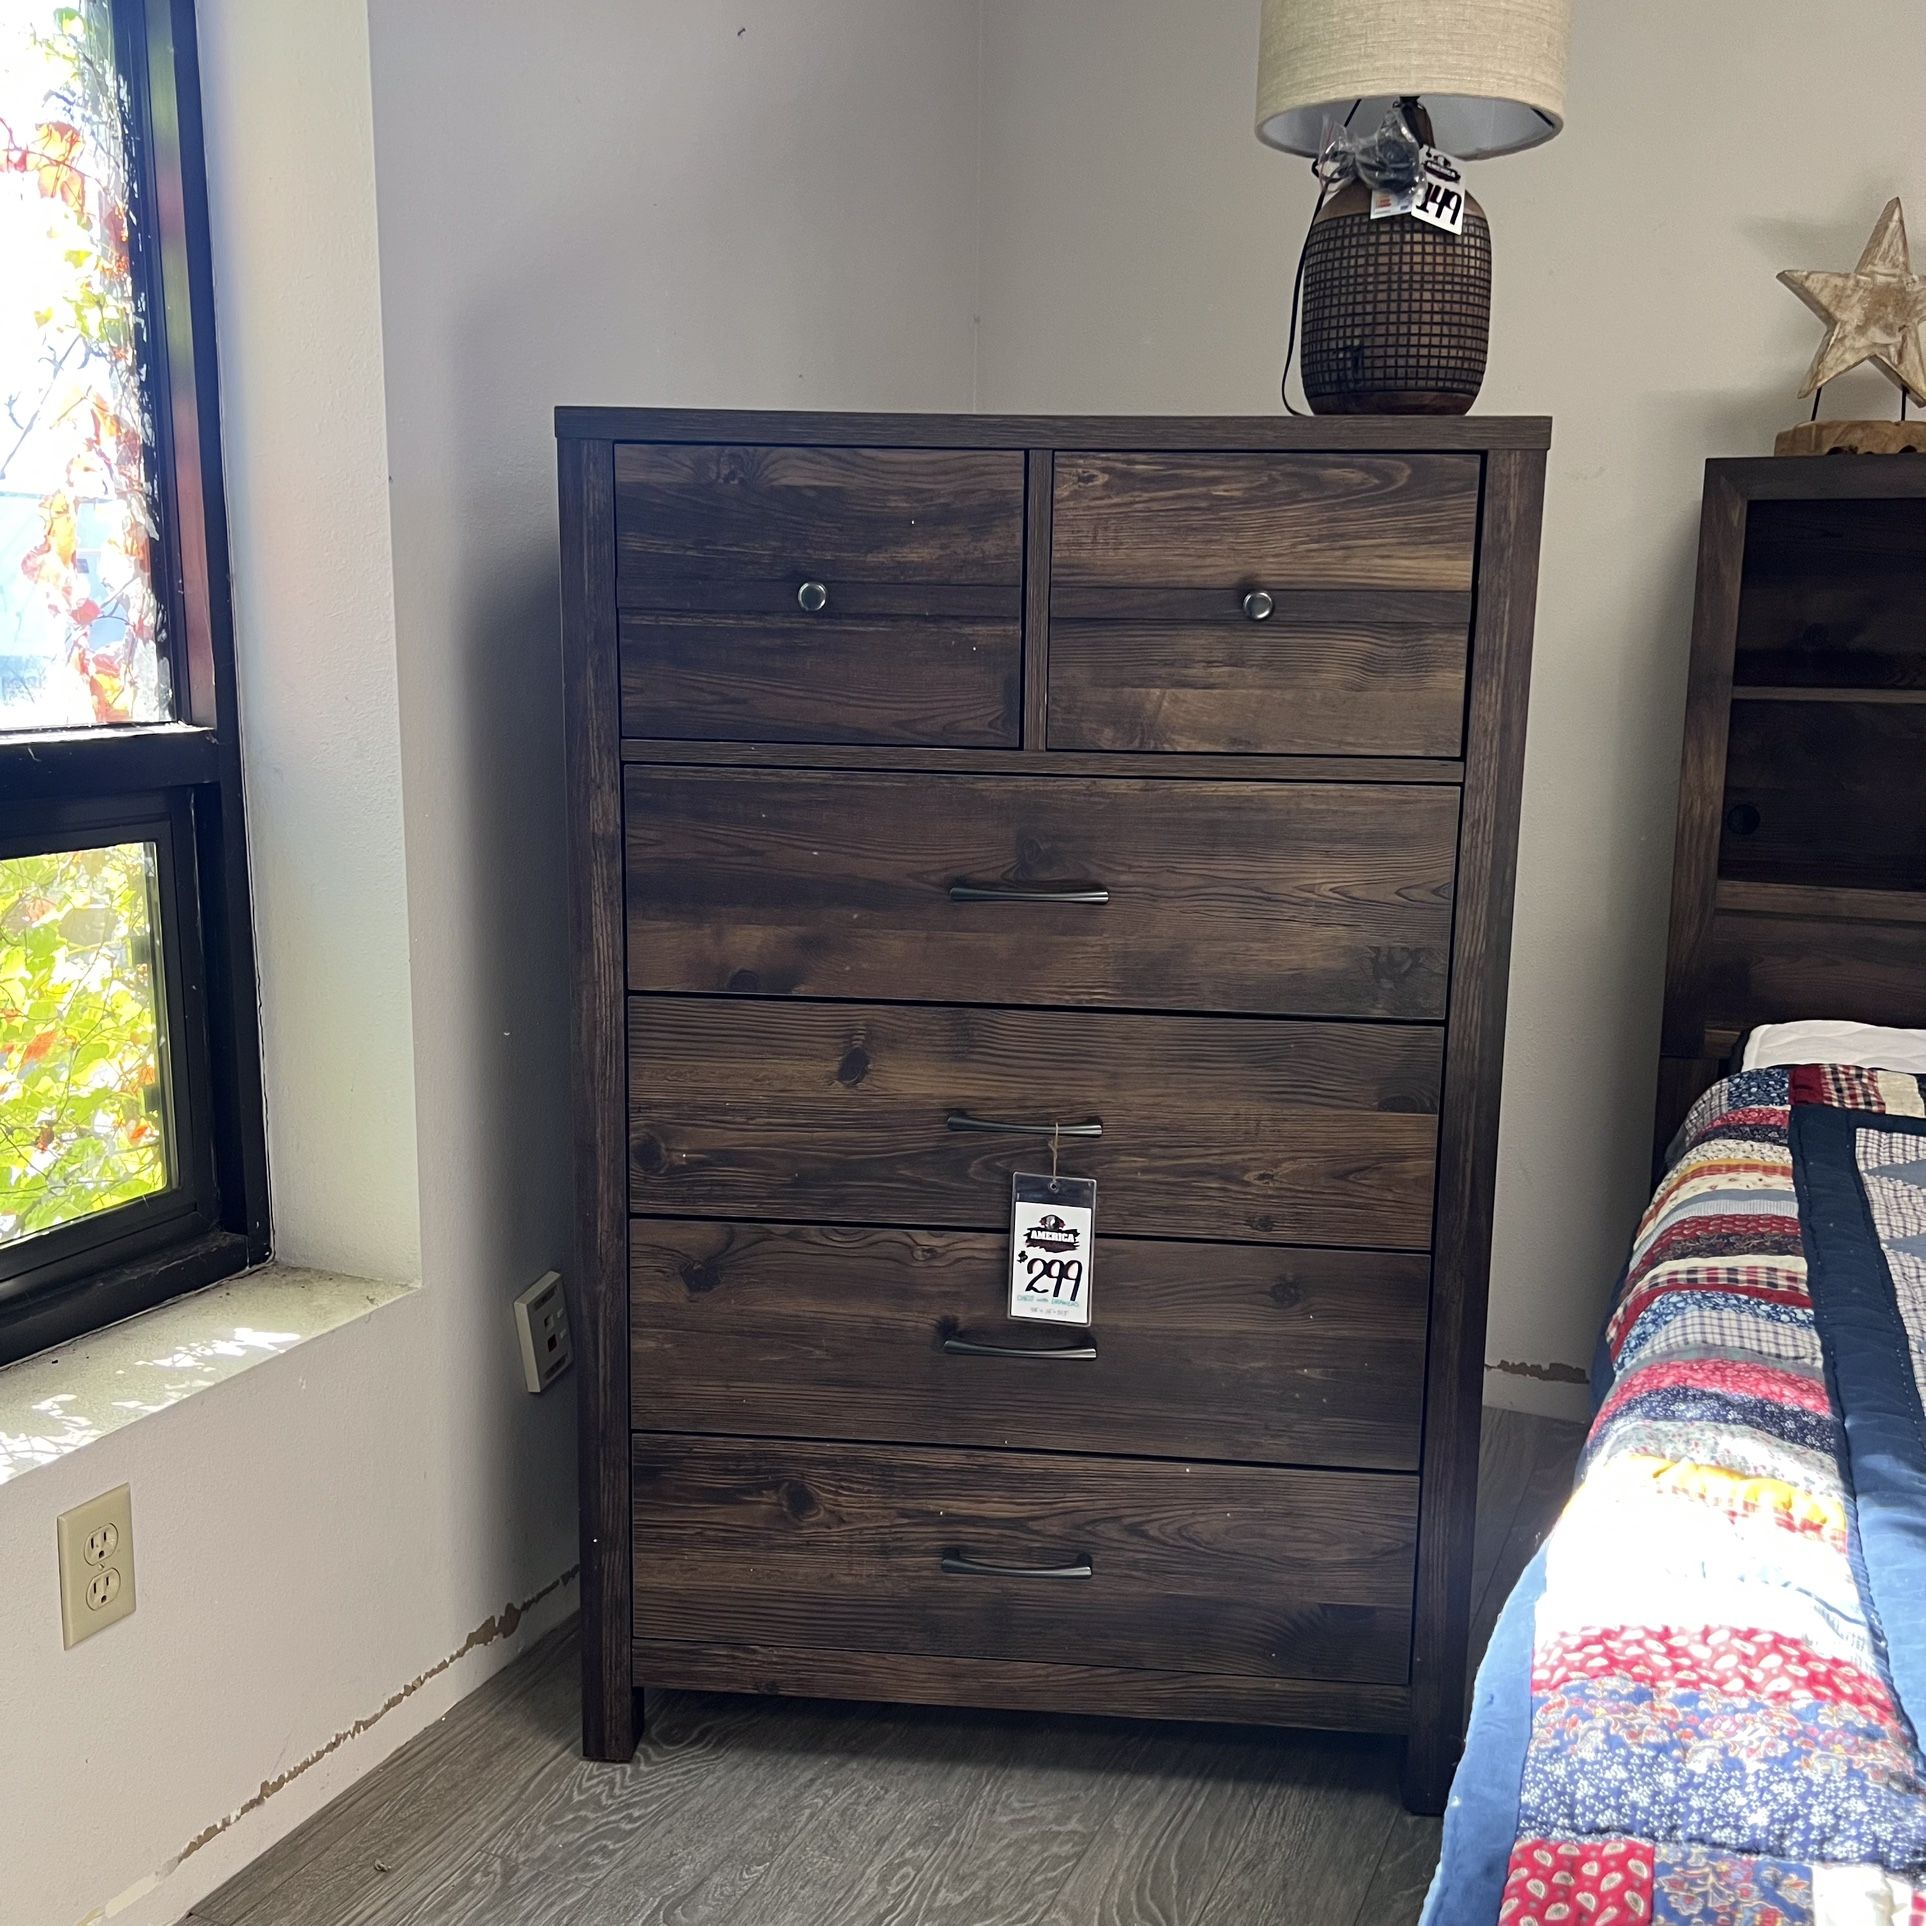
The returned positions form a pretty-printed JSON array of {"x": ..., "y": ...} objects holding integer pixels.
[
  {"x": 1212, "y": 1127},
  {"x": 1023, "y": 1557},
  {"x": 1239, "y": 1352},
  {"x": 820, "y": 595},
  {"x": 1306, "y": 899}
]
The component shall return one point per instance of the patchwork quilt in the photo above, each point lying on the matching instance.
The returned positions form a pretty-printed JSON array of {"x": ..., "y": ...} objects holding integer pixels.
[{"x": 1703, "y": 1702}]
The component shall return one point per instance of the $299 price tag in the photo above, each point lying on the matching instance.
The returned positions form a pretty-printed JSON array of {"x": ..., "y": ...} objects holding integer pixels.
[{"x": 1052, "y": 1224}]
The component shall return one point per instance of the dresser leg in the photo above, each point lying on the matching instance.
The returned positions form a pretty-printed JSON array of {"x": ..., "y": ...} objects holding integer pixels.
[
  {"x": 611, "y": 1724},
  {"x": 1430, "y": 1758}
]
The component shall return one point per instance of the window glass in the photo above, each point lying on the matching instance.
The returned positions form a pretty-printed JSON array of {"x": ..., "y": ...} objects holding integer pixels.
[
  {"x": 83, "y": 1110},
  {"x": 79, "y": 621}
]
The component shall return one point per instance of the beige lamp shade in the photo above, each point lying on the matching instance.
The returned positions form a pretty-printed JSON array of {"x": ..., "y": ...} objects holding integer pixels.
[{"x": 1490, "y": 72}]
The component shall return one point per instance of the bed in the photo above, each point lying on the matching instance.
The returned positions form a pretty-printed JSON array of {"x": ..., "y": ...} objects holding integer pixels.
[{"x": 1703, "y": 1702}]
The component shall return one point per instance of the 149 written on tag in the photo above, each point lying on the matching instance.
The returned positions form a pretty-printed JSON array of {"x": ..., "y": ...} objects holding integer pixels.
[
  {"x": 1052, "y": 1223},
  {"x": 1439, "y": 196}
]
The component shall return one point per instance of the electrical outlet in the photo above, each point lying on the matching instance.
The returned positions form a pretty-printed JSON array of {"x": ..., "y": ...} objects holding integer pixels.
[
  {"x": 96, "y": 1544},
  {"x": 541, "y": 1321}
]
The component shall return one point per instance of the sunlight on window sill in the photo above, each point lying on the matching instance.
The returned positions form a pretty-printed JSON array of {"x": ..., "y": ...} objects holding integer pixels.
[{"x": 79, "y": 1392}]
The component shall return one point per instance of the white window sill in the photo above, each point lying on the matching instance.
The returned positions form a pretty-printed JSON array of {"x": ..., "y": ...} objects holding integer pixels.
[{"x": 78, "y": 1392}]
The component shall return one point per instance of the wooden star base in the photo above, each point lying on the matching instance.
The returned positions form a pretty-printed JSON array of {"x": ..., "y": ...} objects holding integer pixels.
[{"x": 1853, "y": 438}]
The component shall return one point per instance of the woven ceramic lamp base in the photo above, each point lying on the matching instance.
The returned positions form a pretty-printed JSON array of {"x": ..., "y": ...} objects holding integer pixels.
[{"x": 1397, "y": 313}]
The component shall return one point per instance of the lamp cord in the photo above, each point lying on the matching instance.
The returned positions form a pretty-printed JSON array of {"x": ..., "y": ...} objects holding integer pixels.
[{"x": 1324, "y": 192}]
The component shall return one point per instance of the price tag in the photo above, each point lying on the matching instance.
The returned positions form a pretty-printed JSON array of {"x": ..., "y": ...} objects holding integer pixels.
[
  {"x": 1052, "y": 1222},
  {"x": 1439, "y": 196}
]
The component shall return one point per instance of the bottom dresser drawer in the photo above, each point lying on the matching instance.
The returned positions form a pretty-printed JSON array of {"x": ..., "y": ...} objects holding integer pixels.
[{"x": 1030, "y": 1558}]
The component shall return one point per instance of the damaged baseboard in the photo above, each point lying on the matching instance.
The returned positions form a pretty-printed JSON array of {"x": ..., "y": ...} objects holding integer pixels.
[
  {"x": 500, "y": 1625},
  {"x": 1542, "y": 1373}
]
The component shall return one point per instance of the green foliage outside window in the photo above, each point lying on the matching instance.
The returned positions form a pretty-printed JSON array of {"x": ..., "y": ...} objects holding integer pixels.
[{"x": 82, "y": 1116}]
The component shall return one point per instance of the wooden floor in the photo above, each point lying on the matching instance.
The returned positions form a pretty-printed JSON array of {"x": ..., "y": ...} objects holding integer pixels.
[{"x": 762, "y": 1812}]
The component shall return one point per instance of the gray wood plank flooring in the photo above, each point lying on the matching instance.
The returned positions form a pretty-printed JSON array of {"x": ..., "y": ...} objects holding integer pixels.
[{"x": 763, "y": 1812}]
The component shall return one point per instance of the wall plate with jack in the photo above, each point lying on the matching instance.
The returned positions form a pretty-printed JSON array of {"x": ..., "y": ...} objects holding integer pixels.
[
  {"x": 96, "y": 1544},
  {"x": 541, "y": 1321}
]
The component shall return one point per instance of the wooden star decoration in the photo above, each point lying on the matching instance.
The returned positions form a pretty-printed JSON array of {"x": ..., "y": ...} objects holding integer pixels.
[{"x": 1872, "y": 314}]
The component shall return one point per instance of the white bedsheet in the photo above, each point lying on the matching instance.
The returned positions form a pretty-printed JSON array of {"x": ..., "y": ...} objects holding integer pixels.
[{"x": 1817, "y": 1040}]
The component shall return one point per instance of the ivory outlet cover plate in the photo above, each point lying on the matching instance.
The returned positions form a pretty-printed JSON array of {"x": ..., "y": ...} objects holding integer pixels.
[
  {"x": 96, "y": 1542},
  {"x": 541, "y": 1323}
]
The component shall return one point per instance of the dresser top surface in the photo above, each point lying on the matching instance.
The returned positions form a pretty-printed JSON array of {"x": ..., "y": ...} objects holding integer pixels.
[{"x": 1322, "y": 434}]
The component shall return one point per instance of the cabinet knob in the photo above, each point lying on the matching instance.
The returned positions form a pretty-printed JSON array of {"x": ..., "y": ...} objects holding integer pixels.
[
  {"x": 1258, "y": 605},
  {"x": 812, "y": 598}
]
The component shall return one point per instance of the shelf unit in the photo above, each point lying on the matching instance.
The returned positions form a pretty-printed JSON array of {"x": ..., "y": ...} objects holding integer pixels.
[{"x": 1799, "y": 879}]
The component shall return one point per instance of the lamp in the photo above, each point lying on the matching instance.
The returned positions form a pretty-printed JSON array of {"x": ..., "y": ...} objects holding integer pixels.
[{"x": 1396, "y": 310}]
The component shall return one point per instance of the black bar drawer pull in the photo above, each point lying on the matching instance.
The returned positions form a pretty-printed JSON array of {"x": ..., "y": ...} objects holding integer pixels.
[
  {"x": 962, "y": 892},
  {"x": 962, "y": 1347},
  {"x": 962, "y": 1120},
  {"x": 961, "y": 1565}
]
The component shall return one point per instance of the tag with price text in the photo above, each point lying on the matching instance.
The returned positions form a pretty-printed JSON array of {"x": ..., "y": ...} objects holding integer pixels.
[{"x": 1052, "y": 1224}]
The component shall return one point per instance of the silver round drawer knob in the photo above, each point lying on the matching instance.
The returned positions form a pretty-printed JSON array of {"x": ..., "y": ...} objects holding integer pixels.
[
  {"x": 1258, "y": 605},
  {"x": 812, "y": 598}
]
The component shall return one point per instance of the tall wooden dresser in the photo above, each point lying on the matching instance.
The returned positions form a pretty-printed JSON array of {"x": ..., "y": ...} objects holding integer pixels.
[{"x": 945, "y": 787}]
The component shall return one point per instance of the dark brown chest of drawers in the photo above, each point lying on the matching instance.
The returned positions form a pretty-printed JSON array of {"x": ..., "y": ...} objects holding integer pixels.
[{"x": 918, "y": 764}]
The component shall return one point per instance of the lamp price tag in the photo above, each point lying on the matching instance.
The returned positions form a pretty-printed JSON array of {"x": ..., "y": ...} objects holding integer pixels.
[
  {"x": 1052, "y": 1223},
  {"x": 1439, "y": 196}
]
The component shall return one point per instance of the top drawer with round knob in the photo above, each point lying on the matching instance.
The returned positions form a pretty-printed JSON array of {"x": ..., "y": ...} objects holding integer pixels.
[
  {"x": 1261, "y": 604},
  {"x": 820, "y": 595}
]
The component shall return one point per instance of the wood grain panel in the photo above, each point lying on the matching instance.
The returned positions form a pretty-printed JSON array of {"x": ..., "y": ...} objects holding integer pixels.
[
  {"x": 1272, "y": 521},
  {"x": 1823, "y": 902},
  {"x": 808, "y": 427},
  {"x": 1232, "y": 1128},
  {"x": 1311, "y": 899},
  {"x": 799, "y": 678},
  {"x": 598, "y": 1255},
  {"x": 1284, "y": 1574},
  {"x": 837, "y": 515},
  {"x": 1774, "y": 969},
  {"x": 929, "y": 1679},
  {"x": 1835, "y": 594},
  {"x": 1827, "y": 793},
  {"x": 1328, "y": 673},
  {"x": 1708, "y": 701},
  {"x": 1039, "y": 488},
  {"x": 1244, "y": 1353},
  {"x": 1162, "y": 764}
]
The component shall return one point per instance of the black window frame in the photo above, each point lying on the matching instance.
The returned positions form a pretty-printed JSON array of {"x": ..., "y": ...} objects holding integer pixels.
[{"x": 175, "y": 785}]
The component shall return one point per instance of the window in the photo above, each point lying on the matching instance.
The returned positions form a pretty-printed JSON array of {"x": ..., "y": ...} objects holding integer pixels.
[{"x": 132, "y": 1164}]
